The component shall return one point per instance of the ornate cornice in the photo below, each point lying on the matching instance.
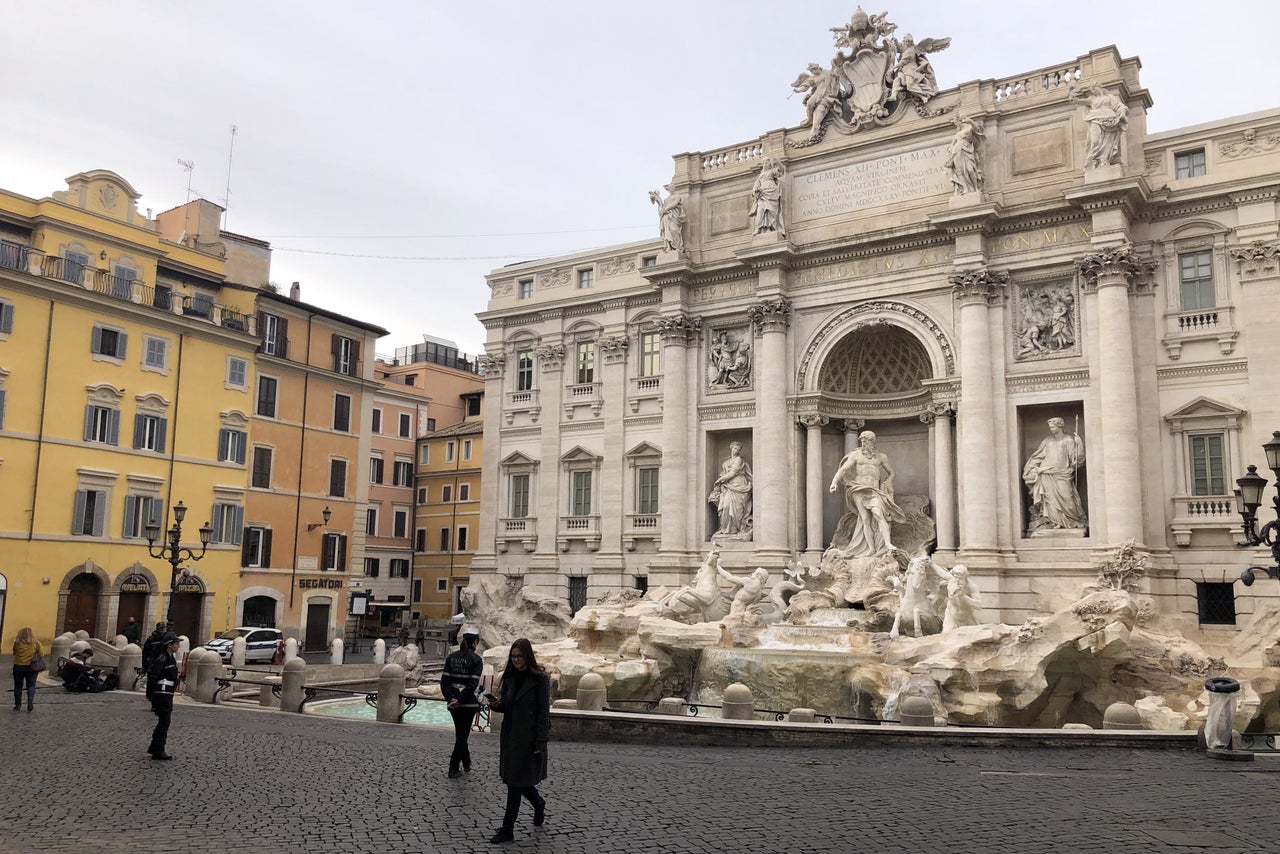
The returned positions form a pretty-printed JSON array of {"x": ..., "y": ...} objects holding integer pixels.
[
  {"x": 727, "y": 411},
  {"x": 979, "y": 286},
  {"x": 1118, "y": 265},
  {"x": 1047, "y": 380},
  {"x": 771, "y": 315},
  {"x": 678, "y": 329},
  {"x": 1207, "y": 369}
]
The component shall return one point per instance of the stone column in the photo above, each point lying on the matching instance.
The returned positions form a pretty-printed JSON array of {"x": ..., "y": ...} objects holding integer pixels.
[
  {"x": 493, "y": 363},
  {"x": 612, "y": 504},
  {"x": 677, "y": 482},
  {"x": 974, "y": 291},
  {"x": 851, "y": 427},
  {"x": 550, "y": 501},
  {"x": 944, "y": 478},
  {"x": 1114, "y": 273},
  {"x": 814, "y": 487},
  {"x": 772, "y": 447}
]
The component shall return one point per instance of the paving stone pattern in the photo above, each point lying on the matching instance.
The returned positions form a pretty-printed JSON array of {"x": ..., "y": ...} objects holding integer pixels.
[{"x": 74, "y": 778}]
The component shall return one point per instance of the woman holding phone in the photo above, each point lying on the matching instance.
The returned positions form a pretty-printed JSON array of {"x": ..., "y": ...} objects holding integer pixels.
[{"x": 526, "y": 722}]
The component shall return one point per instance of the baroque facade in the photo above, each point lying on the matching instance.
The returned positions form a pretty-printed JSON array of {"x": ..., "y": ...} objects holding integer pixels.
[{"x": 1057, "y": 325}]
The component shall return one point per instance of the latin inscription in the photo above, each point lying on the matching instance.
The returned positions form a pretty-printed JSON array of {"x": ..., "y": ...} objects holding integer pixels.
[
  {"x": 869, "y": 267},
  {"x": 724, "y": 290},
  {"x": 872, "y": 183},
  {"x": 1040, "y": 239}
]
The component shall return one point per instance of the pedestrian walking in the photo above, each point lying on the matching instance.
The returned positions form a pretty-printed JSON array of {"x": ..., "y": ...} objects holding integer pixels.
[
  {"x": 526, "y": 723},
  {"x": 131, "y": 630},
  {"x": 28, "y": 661},
  {"x": 458, "y": 684},
  {"x": 402, "y": 637},
  {"x": 155, "y": 642},
  {"x": 420, "y": 639},
  {"x": 162, "y": 680}
]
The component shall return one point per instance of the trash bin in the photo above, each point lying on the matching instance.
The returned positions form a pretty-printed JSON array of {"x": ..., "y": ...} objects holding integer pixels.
[{"x": 1222, "y": 710}]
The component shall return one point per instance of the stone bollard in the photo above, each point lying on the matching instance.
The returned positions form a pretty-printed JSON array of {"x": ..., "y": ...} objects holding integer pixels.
[
  {"x": 1222, "y": 709},
  {"x": 130, "y": 661},
  {"x": 266, "y": 697},
  {"x": 335, "y": 651},
  {"x": 916, "y": 711},
  {"x": 198, "y": 668},
  {"x": 738, "y": 703},
  {"x": 191, "y": 681},
  {"x": 802, "y": 716},
  {"x": 60, "y": 648},
  {"x": 290, "y": 650},
  {"x": 591, "y": 693},
  {"x": 238, "y": 647},
  {"x": 119, "y": 641},
  {"x": 209, "y": 678},
  {"x": 292, "y": 681},
  {"x": 379, "y": 651},
  {"x": 1121, "y": 716},
  {"x": 184, "y": 647},
  {"x": 671, "y": 706},
  {"x": 82, "y": 635},
  {"x": 390, "y": 687}
]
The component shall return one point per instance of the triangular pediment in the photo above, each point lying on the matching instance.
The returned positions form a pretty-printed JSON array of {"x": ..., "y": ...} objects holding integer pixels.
[
  {"x": 518, "y": 458},
  {"x": 645, "y": 449},
  {"x": 1204, "y": 407},
  {"x": 579, "y": 454}
]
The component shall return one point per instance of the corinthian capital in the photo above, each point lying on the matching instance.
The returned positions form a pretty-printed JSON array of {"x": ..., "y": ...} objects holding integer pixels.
[
  {"x": 1117, "y": 265},
  {"x": 491, "y": 365},
  {"x": 771, "y": 315},
  {"x": 551, "y": 356},
  {"x": 678, "y": 328},
  {"x": 979, "y": 286},
  {"x": 613, "y": 348}
]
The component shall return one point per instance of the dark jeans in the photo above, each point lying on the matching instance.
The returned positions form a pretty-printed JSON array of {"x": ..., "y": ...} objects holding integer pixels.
[
  {"x": 23, "y": 676},
  {"x": 514, "y": 793},
  {"x": 462, "y": 719},
  {"x": 163, "y": 709}
]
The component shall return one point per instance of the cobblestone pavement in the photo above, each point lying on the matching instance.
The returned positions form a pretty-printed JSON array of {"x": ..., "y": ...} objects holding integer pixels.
[{"x": 74, "y": 778}]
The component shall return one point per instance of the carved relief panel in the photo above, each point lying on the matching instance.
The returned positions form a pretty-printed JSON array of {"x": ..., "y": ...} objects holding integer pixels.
[
  {"x": 730, "y": 358},
  {"x": 1046, "y": 320}
]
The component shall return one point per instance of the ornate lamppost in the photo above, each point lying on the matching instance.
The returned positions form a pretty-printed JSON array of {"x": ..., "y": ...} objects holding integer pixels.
[
  {"x": 1248, "y": 500},
  {"x": 172, "y": 551}
]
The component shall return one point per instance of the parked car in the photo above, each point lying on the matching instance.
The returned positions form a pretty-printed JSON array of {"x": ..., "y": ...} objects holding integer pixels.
[{"x": 259, "y": 644}]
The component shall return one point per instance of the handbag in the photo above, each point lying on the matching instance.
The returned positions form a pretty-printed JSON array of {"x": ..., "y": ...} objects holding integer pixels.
[{"x": 37, "y": 664}]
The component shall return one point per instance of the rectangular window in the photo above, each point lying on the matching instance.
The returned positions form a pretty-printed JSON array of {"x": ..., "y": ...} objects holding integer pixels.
[
  {"x": 450, "y": 450},
  {"x": 442, "y": 585},
  {"x": 519, "y": 496},
  {"x": 261, "y": 467},
  {"x": 266, "y": 397},
  {"x": 1189, "y": 164},
  {"x": 1217, "y": 603},
  {"x": 371, "y": 521},
  {"x": 402, "y": 473},
  {"x": 650, "y": 354},
  {"x": 464, "y": 492},
  {"x": 155, "y": 352},
  {"x": 444, "y": 539},
  {"x": 649, "y": 261},
  {"x": 577, "y": 593},
  {"x": 139, "y": 511},
  {"x": 149, "y": 432},
  {"x": 6, "y": 317},
  {"x": 431, "y": 425},
  {"x": 642, "y": 584},
  {"x": 473, "y": 406},
  {"x": 422, "y": 495},
  {"x": 586, "y": 362},
  {"x": 73, "y": 264},
  {"x": 275, "y": 334},
  {"x": 237, "y": 372},
  {"x": 406, "y": 423},
  {"x": 337, "y": 478},
  {"x": 462, "y": 538},
  {"x": 647, "y": 490},
  {"x": 89, "y": 518},
  {"x": 346, "y": 355},
  {"x": 256, "y": 547},
  {"x": 524, "y": 370},
  {"x": 446, "y": 492},
  {"x": 581, "y": 493},
  {"x": 371, "y": 567},
  {"x": 228, "y": 523},
  {"x": 1208, "y": 465},
  {"x": 420, "y": 540},
  {"x": 375, "y": 469},
  {"x": 109, "y": 342},
  {"x": 524, "y": 288},
  {"x": 466, "y": 449},
  {"x": 1196, "y": 275},
  {"x": 400, "y": 524},
  {"x": 375, "y": 421},
  {"x": 231, "y": 446},
  {"x": 584, "y": 278},
  {"x": 342, "y": 413},
  {"x": 417, "y": 591},
  {"x": 424, "y": 455},
  {"x": 102, "y": 424},
  {"x": 399, "y": 568},
  {"x": 333, "y": 553}
]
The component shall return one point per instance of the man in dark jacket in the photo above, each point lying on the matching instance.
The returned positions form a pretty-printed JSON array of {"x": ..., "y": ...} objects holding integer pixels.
[
  {"x": 162, "y": 680},
  {"x": 153, "y": 645},
  {"x": 458, "y": 683},
  {"x": 131, "y": 630}
]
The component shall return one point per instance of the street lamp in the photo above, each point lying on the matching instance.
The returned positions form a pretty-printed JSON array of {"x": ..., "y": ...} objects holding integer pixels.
[
  {"x": 325, "y": 515},
  {"x": 1248, "y": 500},
  {"x": 172, "y": 551}
]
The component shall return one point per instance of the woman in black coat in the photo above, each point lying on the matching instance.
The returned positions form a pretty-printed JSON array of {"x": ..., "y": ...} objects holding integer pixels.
[{"x": 526, "y": 722}]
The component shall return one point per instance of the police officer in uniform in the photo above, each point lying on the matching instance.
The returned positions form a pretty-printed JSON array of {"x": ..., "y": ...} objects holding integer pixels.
[
  {"x": 162, "y": 680},
  {"x": 459, "y": 683}
]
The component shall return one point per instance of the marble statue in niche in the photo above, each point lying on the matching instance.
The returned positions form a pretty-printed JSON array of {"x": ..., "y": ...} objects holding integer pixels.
[
  {"x": 729, "y": 360},
  {"x": 766, "y": 197},
  {"x": 1051, "y": 474},
  {"x": 1045, "y": 325},
  {"x": 964, "y": 156},
  {"x": 731, "y": 496},
  {"x": 1107, "y": 117},
  {"x": 867, "y": 478},
  {"x": 670, "y": 219}
]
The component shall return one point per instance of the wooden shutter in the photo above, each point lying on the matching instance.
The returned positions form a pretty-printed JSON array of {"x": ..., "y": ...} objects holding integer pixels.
[
  {"x": 342, "y": 553},
  {"x": 122, "y": 344},
  {"x": 6, "y": 317},
  {"x": 244, "y": 548},
  {"x": 139, "y": 428},
  {"x": 224, "y": 441},
  {"x": 82, "y": 496},
  {"x": 335, "y": 344},
  {"x": 130, "y": 514},
  {"x": 99, "y": 514},
  {"x": 113, "y": 427},
  {"x": 162, "y": 430},
  {"x": 95, "y": 344},
  {"x": 240, "y": 446},
  {"x": 355, "y": 358},
  {"x": 282, "y": 338},
  {"x": 88, "y": 422},
  {"x": 266, "y": 547},
  {"x": 237, "y": 528},
  {"x": 217, "y": 523}
]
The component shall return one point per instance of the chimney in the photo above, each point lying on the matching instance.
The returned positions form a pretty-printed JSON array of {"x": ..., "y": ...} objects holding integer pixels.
[{"x": 295, "y": 291}]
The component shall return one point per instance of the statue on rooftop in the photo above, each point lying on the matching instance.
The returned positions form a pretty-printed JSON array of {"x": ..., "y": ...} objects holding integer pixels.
[
  {"x": 964, "y": 156},
  {"x": 1107, "y": 118},
  {"x": 766, "y": 197},
  {"x": 670, "y": 219}
]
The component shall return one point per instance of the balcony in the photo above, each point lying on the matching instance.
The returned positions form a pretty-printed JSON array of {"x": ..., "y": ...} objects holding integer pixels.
[
  {"x": 642, "y": 526},
  {"x": 1194, "y": 514},
  {"x": 640, "y": 389},
  {"x": 585, "y": 529},
  {"x": 1209, "y": 324},
  {"x": 583, "y": 394},
  {"x": 522, "y": 530},
  {"x": 518, "y": 402}
]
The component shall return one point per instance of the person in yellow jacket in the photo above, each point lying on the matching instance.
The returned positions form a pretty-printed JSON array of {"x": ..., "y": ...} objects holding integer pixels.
[{"x": 26, "y": 649}]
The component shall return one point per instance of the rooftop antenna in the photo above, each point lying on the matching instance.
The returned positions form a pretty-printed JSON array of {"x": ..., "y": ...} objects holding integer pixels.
[
  {"x": 226, "y": 200},
  {"x": 190, "y": 167}
]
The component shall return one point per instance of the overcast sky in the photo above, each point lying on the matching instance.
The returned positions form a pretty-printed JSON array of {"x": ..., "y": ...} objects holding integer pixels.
[{"x": 470, "y": 135}]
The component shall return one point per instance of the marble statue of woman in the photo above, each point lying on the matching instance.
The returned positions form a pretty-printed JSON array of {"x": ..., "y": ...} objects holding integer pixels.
[
  {"x": 1107, "y": 118},
  {"x": 766, "y": 197},
  {"x": 670, "y": 219},
  {"x": 964, "y": 156},
  {"x": 1050, "y": 474},
  {"x": 731, "y": 495}
]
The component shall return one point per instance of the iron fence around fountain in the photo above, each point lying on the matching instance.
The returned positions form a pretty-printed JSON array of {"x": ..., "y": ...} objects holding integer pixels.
[{"x": 693, "y": 710}]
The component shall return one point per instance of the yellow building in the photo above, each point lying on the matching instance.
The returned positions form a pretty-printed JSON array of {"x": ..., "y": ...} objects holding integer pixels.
[
  {"x": 448, "y": 511},
  {"x": 126, "y": 386}
]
